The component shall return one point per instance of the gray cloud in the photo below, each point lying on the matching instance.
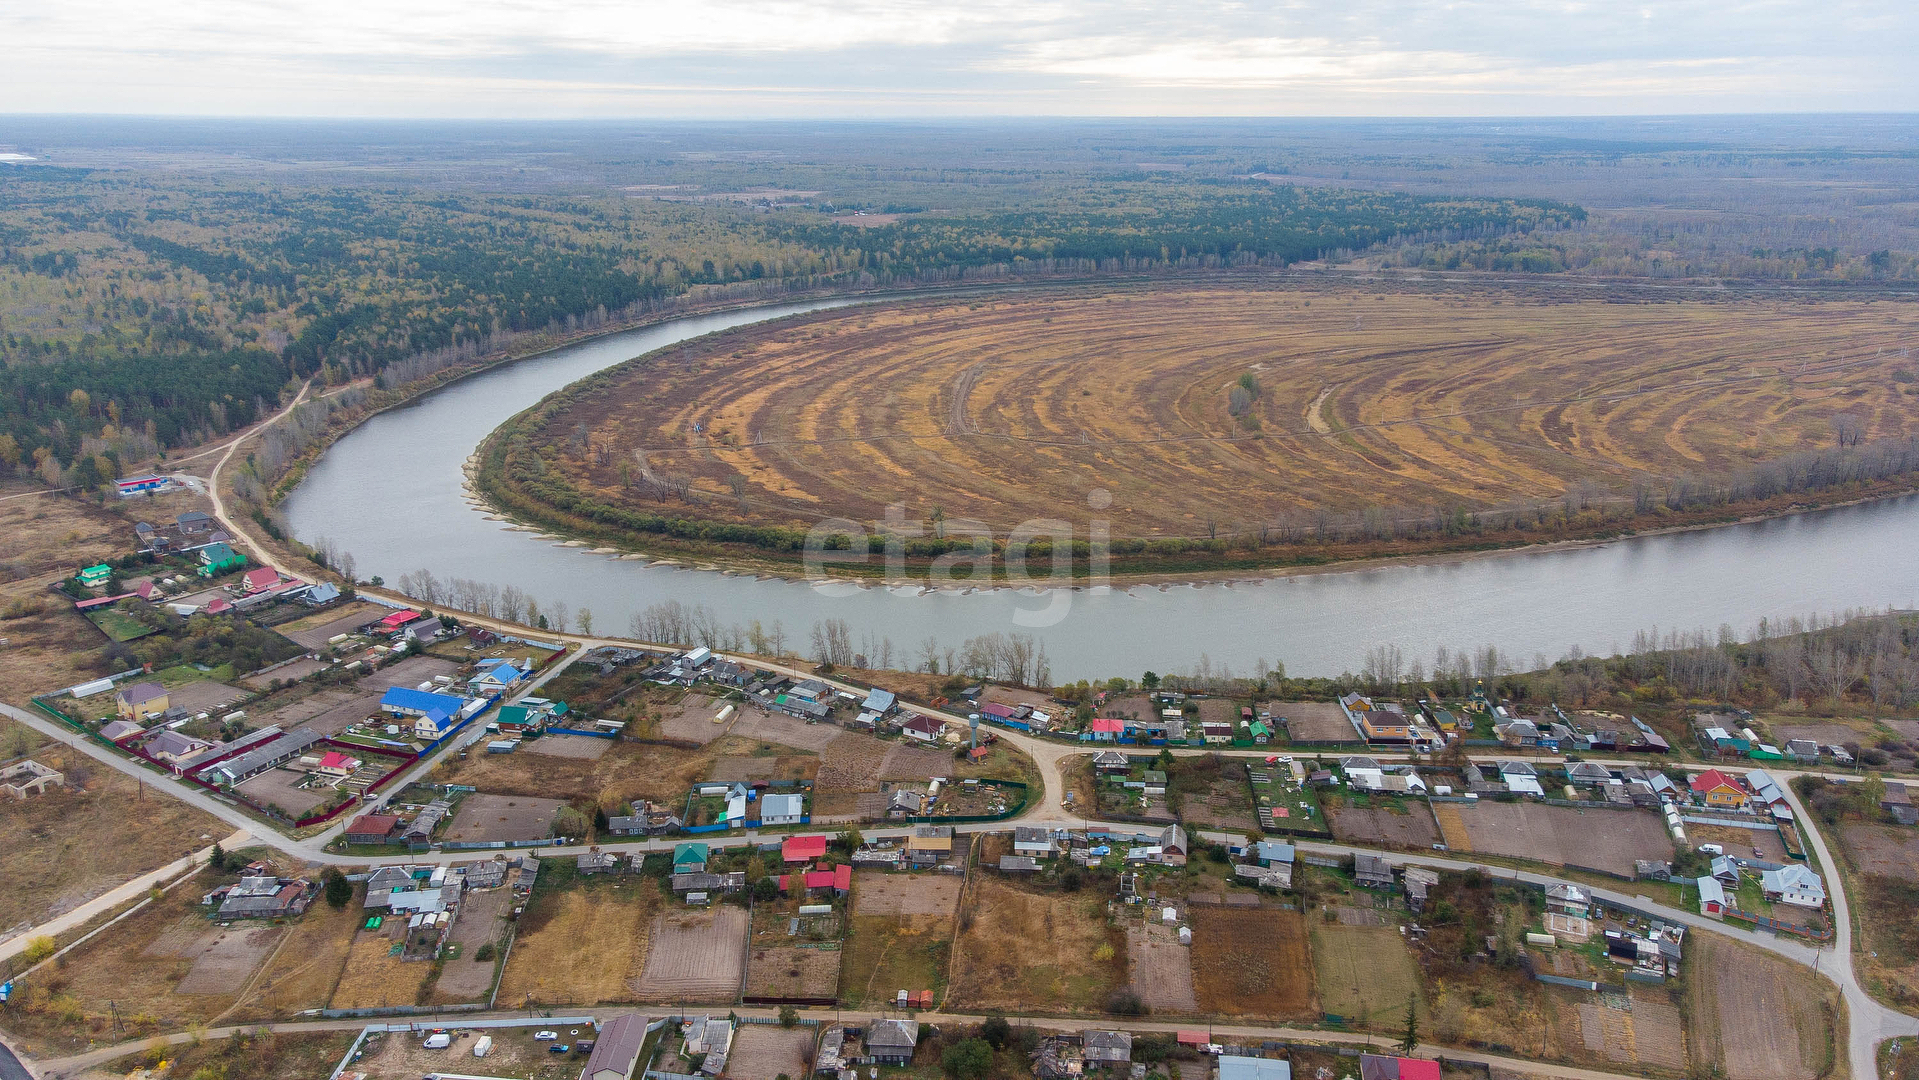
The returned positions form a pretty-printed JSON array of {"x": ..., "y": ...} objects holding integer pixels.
[{"x": 752, "y": 58}]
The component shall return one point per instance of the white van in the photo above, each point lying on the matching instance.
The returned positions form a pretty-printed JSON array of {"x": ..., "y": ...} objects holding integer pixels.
[{"x": 438, "y": 1041}]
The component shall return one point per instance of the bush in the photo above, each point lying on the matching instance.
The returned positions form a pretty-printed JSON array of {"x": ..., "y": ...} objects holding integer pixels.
[
  {"x": 39, "y": 949},
  {"x": 968, "y": 1059},
  {"x": 483, "y": 953},
  {"x": 338, "y": 890},
  {"x": 789, "y": 1016},
  {"x": 1124, "y": 1002},
  {"x": 996, "y": 1031}
]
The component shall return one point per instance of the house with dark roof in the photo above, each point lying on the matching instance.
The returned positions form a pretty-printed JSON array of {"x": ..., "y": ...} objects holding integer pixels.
[
  {"x": 1372, "y": 872},
  {"x": 1105, "y": 1048},
  {"x": 141, "y": 701},
  {"x": 891, "y": 1042},
  {"x": 616, "y": 1048},
  {"x": 194, "y": 522},
  {"x": 923, "y": 728},
  {"x": 1382, "y": 1067}
]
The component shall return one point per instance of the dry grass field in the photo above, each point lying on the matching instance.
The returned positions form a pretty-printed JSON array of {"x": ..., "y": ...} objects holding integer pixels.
[
  {"x": 1364, "y": 973},
  {"x": 1606, "y": 840},
  {"x": 583, "y": 945},
  {"x": 62, "y": 849},
  {"x": 761, "y": 1052},
  {"x": 373, "y": 978},
  {"x": 1017, "y": 407},
  {"x": 1884, "y": 850},
  {"x": 305, "y": 970},
  {"x": 1161, "y": 968},
  {"x": 1020, "y": 949},
  {"x": 1252, "y": 962},
  {"x": 1755, "y": 1016}
]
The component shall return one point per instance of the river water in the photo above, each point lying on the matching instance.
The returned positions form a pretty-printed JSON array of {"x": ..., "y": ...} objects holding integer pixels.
[{"x": 391, "y": 493}]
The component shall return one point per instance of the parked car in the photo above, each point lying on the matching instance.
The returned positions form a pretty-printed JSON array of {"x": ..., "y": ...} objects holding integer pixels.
[
  {"x": 545, "y": 1036},
  {"x": 1711, "y": 849},
  {"x": 559, "y": 1048}
]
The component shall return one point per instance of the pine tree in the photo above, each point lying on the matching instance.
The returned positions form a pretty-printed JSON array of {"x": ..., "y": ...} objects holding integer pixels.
[{"x": 1409, "y": 1042}]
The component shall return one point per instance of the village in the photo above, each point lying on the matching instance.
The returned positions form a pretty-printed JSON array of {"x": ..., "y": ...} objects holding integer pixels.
[{"x": 538, "y": 825}]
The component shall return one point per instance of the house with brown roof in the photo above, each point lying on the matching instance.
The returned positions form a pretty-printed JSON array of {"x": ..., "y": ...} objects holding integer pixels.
[
  {"x": 372, "y": 828},
  {"x": 616, "y": 1049}
]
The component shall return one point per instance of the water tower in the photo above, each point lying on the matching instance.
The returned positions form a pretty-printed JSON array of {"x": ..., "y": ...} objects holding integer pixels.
[{"x": 972, "y": 727}]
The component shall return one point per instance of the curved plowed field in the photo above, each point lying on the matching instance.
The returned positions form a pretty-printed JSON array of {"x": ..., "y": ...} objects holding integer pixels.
[{"x": 1021, "y": 406}]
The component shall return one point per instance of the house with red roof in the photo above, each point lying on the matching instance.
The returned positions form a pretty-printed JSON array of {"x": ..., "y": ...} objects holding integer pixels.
[
  {"x": 923, "y": 728},
  {"x": 799, "y": 849},
  {"x": 838, "y": 880},
  {"x": 258, "y": 580},
  {"x": 1105, "y": 729},
  {"x": 335, "y": 763},
  {"x": 398, "y": 619},
  {"x": 1715, "y": 788},
  {"x": 1384, "y": 1067}
]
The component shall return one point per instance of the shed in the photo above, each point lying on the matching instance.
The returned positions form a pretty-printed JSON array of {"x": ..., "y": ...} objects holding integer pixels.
[{"x": 1235, "y": 1067}]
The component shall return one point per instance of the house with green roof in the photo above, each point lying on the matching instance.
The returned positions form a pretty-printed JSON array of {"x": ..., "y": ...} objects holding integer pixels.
[
  {"x": 95, "y": 575},
  {"x": 216, "y": 559},
  {"x": 689, "y": 858}
]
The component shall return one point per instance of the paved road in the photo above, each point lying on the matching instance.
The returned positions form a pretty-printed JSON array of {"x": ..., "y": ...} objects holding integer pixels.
[{"x": 11, "y": 1067}]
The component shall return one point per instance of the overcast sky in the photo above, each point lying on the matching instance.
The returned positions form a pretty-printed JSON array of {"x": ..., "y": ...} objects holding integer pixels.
[{"x": 776, "y": 58}]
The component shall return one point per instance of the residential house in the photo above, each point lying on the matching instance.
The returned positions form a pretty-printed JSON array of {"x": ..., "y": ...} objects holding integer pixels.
[
  {"x": 1106, "y": 1048},
  {"x": 905, "y": 803},
  {"x": 616, "y": 1048},
  {"x": 495, "y": 679},
  {"x": 1239, "y": 1067},
  {"x": 1712, "y": 897},
  {"x": 878, "y": 701},
  {"x": 1564, "y": 899},
  {"x": 1651, "y": 870},
  {"x": 371, "y": 828},
  {"x": 1105, "y": 729},
  {"x": 424, "y": 631},
  {"x": 1028, "y": 840},
  {"x": 263, "y": 896},
  {"x": 323, "y": 593},
  {"x": 1173, "y": 846},
  {"x": 194, "y": 522},
  {"x": 1111, "y": 763},
  {"x": 1274, "y": 853},
  {"x": 258, "y": 580},
  {"x": 1725, "y": 870},
  {"x": 891, "y": 1042},
  {"x": 93, "y": 576},
  {"x": 711, "y": 1037},
  {"x": 923, "y": 729},
  {"x": 1767, "y": 791},
  {"x": 1521, "y": 778},
  {"x": 597, "y": 862},
  {"x": 335, "y": 764},
  {"x": 1803, "y": 751},
  {"x": 802, "y": 849},
  {"x": 1382, "y": 1067},
  {"x": 1897, "y": 801},
  {"x": 784, "y": 809},
  {"x": 173, "y": 748},
  {"x": 216, "y": 559},
  {"x": 432, "y": 714},
  {"x": 839, "y": 1047},
  {"x": 420, "y": 829},
  {"x": 1715, "y": 788},
  {"x": 1420, "y": 883},
  {"x": 1216, "y": 731},
  {"x": 1794, "y": 884},
  {"x": 1058, "y": 1058},
  {"x": 689, "y": 858},
  {"x": 25, "y": 779},
  {"x": 141, "y": 701},
  {"x": 116, "y": 730},
  {"x": 929, "y": 845},
  {"x": 733, "y": 881},
  {"x": 1587, "y": 773},
  {"x": 1372, "y": 872},
  {"x": 650, "y": 820},
  {"x": 1517, "y": 733}
]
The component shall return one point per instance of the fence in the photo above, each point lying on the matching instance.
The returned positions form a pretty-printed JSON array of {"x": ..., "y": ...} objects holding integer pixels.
[
  {"x": 1561, "y": 980},
  {"x": 577, "y": 731},
  {"x": 1761, "y": 922}
]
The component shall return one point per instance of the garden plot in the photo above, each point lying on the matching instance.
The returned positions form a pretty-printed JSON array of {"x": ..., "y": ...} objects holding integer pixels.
[
  {"x": 204, "y": 695},
  {"x": 1252, "y": 962},
  {"x": 482, "y": 817},
  {"x": 1031, "y": 950},
  {"x": 315, "y": 634},
  {"x": 852, "y": 762},
  {"x": 376, "y": 976},
  {"x": 328, "y": 711},
  {"x": 1313, "y": 721},
  {"x": 1160, "y": 967},
  {"x": 877, "y": 892},
  {"x": 291, "y": 790},
  {"x": 905, "y": 762},
  {"x": 287, "y": 673},
  {"x": 1364, "y": 973},
  {"x": 696, "y": 956},
  {"x": 1606, "y": 840},
  {"x": 1756, "y": 1016},
  {"x": 765, "y": 1052},
  {"x": 225, "y": 963},
  {"x": 1635, "y": 1029},
  {"x": 1406, "y": 824},
  {"x": 755, "y": 723},
  {"x": 1885, "y": 850},
  {"x": 466, "y": 975},
  {"x": 581, "y": 945}
]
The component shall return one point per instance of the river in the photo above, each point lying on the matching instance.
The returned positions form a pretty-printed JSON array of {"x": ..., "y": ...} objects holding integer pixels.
[{"x": 391, "y": 493}]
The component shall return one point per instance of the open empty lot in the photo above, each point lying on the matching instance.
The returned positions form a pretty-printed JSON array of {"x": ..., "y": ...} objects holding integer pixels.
[
  {"x": 204, "y": 695},
  {"x": 696, "y": 955},
  {"x": 691, "y": 720},
  {"x": 1037, "y": 950},
  {"x": 780, "y": 728},
  {"x": 1606, "y": 840},
  {"x": 376, "y": 976},
  {"x": 583, "y": 747},
  {"x": 315, "y": 630},
  {"x": 852, "y": 762},
  {"x": 1886, "y": 850},
  {"x": 1364, "y": 973},
  {"x": 464, "y": 975},
  {"x": 844, "y": 413},
  {"x": 582, "y": 945},
  {"x": 329, "y": 711},
  {"x": 1252, "y": 962},
  {"x": 284, "y": 788},
  {"x": 1641, "y": 1028},
  {"x": 1756, "y": 1016},
  {"x": 410, "y": 672},
  {"x": 502, "y": 817},
  {"x": 877, "y": 892},
  {"x": 1404, "y": 823},
  {"x": 1313, "y": 721}
]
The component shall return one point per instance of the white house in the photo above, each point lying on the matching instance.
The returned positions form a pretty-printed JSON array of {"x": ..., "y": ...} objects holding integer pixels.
[
  {"x": 923, "y": 728},
  {"x": 1794, "y": 884},
  {"x": 782, "y": 809}
]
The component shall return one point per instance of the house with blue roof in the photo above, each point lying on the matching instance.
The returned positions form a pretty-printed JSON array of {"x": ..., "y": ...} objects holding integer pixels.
[
  {"x": 497, "y": 678},
  {"x": 879, "y": 701},
  {"x": 432, "y": 714}
]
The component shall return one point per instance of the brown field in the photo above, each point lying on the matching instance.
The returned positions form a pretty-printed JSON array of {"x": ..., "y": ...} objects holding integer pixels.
[
  {"x": 65, "y": 848},
  {"x": 788, "y": 971},
  {"x": 315, "y": 630},
  {"x": 1407, "y": 825},
  {"x": 1740, "y": 842},
  {"x": 1252, "y": 962},
  {"x": 626, "y": 772},
  {"x": 1019, "y": 949},
  {"x": 283, "y": 1056},
  {"x": 696, "y": 956},
  {"x": 1161, "y": 968},
  {"x": 581, "y": 946},
  {"x": 204, "y": 695},
  {"x": 303, "y": 973},
  {"x": 852, "y": 762},
  {"x": 780, "y": 728},
  {"x": 878, "y": 892},
  {"x": 1606, "y": 840},
  {"x": 465, "y": 977},
  {"x": 1644, "y": 1028},
  {"x": 1755, "y": 1016},
  {"x": 763, "y": 1052},
  {"x": 1364, "y": 973},
  {"x": 583, "y": 747},
  {"x": 1393, "y": 398},
  {"x": 884, "y": 954},
  {"x": 1884, "y": 850},
  {"x": 502, "y": 817},
  {"x": 691, "y": 719},
  {"x": 1313, "y": 721},
  {"x": 905, "y": 762},
  {"x": 373, "y": 979}
]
